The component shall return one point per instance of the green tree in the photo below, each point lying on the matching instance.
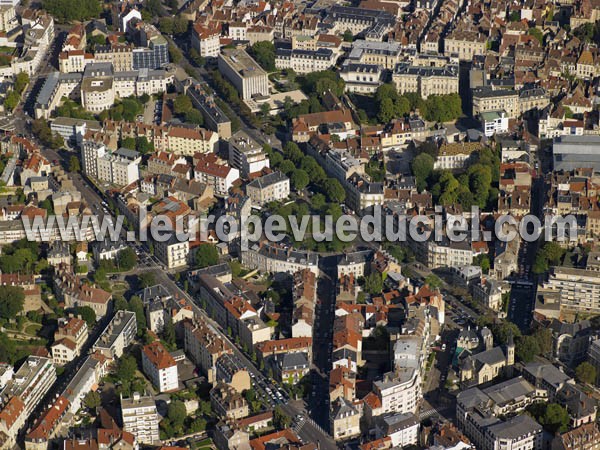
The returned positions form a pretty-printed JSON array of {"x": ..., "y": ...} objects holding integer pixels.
[
  {"x": 374, "y": 283},
  {"x": 120, "y": 304},
  {"x": 422, "y": 167},
  {"x": 482, "y": 261},
  {"x": 194, "y": 117},
  {"x": 11, "y": 100},
  {"x": 348, "y": 36},
  {"x": 585, "y": 373},
  {"x": 543, "y": 336},
  {"x": 526, "y": 348},
  {"x": 264, "y": 54},
  {"x": 207, "y": 255},
  {"x": 126, "y": 368},
  {"x": 175, "y": 54},
  {"x": 147, "y": 279},
  {"x": 300, "y": 179},
  {"x": 280, "y": 419},
  {"x": 92, "y": 400},
  {"x": 12, "y": 299},
  {"x": 176, "y": 413},
  {"x": 386, "y": 110},
  {"x": 503, "y": 330},
  {"x": 292, "y": 152},
  {"x": 433, "y": 281},
  {"x": 74, "y": 164},
  {"x": 334, "y": 191},
  {"x": 47, "y": 205},
  {"x": 320, "y": 82},
  {"x": 127, "y": 259},
  {"x": 182, "y": 104},
  {"x": 287, "y": 166},
  {"x": 536, "y": 33},
  {"x": 21, "y": 82},
  {"x": 143, "y": 146},
  {"x": 136, "y": 306},
  {"x": 555, "y": 419},
  {"x": 180, "y": 25},
  {"x": 87, "y": 314},
  {"x": 71, "y": 10},
  {"x": 169, "y": 332}
]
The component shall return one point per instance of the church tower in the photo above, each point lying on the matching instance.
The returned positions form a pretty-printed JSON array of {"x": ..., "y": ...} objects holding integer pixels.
[{"x": 510, "y": 351}]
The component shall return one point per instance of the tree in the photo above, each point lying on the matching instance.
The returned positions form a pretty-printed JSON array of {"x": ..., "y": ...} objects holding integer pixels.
[
  {"x": 92, "y": 400},
  {"x": 74, "y": 164},
  {"x": 136, "y": 306},
  {"x": 321, "y": 82},
  {"x": 526, "y": 348},
  {"x": 433, "y": 281},
  {"x": 71, "y": 10},
  {"x": 143, "y": 146},
  {"x": 180, "y": 25},
  {"x": 120, "y": 304},
  {"x": 176, "y": 413},
  {"x": 386, "y": 110},
  {"x": 300, "y": 179},
  {"x": 127, "y": 259},
  {"x": 147, "y": 279},
  {"x": 442, "y": 108},
  {"x": 334, "y": 191},
  {"x": 280, "y": 419},
  {"x": 47, "y": 205},
  {"x": 543, "y": 336},
  {"x": 264, "y": 54},
  {"x": 585, "y": 373},
  {"x": 126, "y": 368},
  {"x": 87, "y": 314},
  {"x": 348, "y": 36},
  {"x": 482, "y": 261},
  {"x": 21, "y": 82},
  {"x": 536, "y": 33},
  {"x": 374, "y": 283},
  {"x": 503, "y": 330},
  {"x": 182, "y": 104},
  {"x": 11, "y": 100},
  {"x": 555, "y": 419},
  {"x": 175, "y": 54},
  {"x": 292, "y": 152},
  {"x": 287, "y": 166},
  {"x": 12, "y": 299},
  {"x": 194, "y": 117},
  {"x": 169, "y": 332},
  {"x": 422, "y": 167},
  {"x": 207, "y": 255}
]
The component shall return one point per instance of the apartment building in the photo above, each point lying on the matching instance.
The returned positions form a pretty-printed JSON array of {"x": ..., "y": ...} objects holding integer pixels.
[
  {"x": 574, "y": 152},
  {"x": 274, "y": 186},
  {"x": 117, "y": 336},
  {"x": 119, "y": 55},
  {"x": 426, "y": 80},
  {"x": 68, "y": 340},
  {"x": 141, "y": 418},
  {"x": 214, "y": 118},
  {"x": 189, "y": 141},
  {"x": 244, "y": 73},
  {"x": 219, "y": 176},
  {"x": 204, "y": 347},
  {"x": 455, "y": 155},
  {"x": 344, "y": 419},
  {"x": 488, "y": 420},
  {"x": 578, "y": 290},
  {"x": 74, "y": 292},
  {"x": 396, "y": 393},
  {"x": 465, "y": 43},
  {"x": 120, "y": 168},
  {"x": 361, "y": 78},
  {"x": 494, "y": 122},
  {"x": 228, "y": 403},
  {"x": 305, "y": 61},
  {"x": 246, "y": 155},
  {"x": 160, "y": 367},
  {"x": 206, "y": 39},
  {"x": 172, "y": 253},
  {"x": 269, "y": 257},
  {"x": 12, "y": 419},
  {"x": 489, "y": 99}
]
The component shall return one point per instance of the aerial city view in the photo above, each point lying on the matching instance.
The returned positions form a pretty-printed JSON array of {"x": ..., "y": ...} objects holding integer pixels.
[{"x": 299, "y": 224}]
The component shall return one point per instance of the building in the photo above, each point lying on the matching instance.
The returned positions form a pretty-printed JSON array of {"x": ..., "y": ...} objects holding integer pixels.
[
  {"x": 141, "y": 418},
  {"x": 244, "y": 73},
  {"x": 12, "y": 419},
  {"x": 73, "y": 130},
  {"x": 120, "y": 167},
  {"x": 574, "y": 152},
  {"x": 219, "y": 176},
  {"x": 69, "y": 338},
  {"x": 160, "y": 367},
  {"x": 402, "y": 429},
  {"x": 228, "y": 403},
  {"x": 465, "y": 43},
  {"x": 74, "y": 292},
  {"x": 172, "y": 253},
  {"x": 206, "y": 39},
  {"x": 215, "y": 119},
  {"x": 246, "y": 155},
  {"x": 456, "y": 155},
  {"x": 489, "y": 99},
  {"x": 274, "y": 186},
  {"x": 232, "y": 371},
  {"x": 488, "y": 417},
  {"x": 117, "y": 336},
  {"x": 361, "y": 78},
  {"x": 290, "y": 368},
  {"x": 204, "y": 347},
  {"x": 344, "y": 420},
  {"x": 396, "y": 393},
  {"x": 305, "y": 61},
  {"x": 189, "y": 141},
  {"x": 494, "y": 122},
  {"x": 269, "y": 257},
  {"x": 426, "y": 80}
]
